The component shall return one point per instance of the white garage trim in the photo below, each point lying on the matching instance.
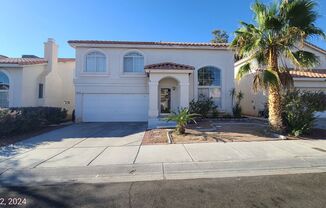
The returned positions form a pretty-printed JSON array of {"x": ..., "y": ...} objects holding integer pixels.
[{"x": 114, "y": 107}]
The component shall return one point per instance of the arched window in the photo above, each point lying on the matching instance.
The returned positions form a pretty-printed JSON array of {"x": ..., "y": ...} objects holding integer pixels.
[
  {"x": 209, "y": 84},
  {"x": 133, "y": 62},
  {"x": 4, "y": 90},
  {"x": 95, "y": 62}
]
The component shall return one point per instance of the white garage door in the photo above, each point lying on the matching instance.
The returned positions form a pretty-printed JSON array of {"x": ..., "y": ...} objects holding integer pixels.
[{"x": 115, "y": 107}]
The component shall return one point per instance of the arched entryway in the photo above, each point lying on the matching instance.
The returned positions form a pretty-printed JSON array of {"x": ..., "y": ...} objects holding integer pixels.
[
  {"x": 4, "y": 90},
  {"x": 168, "y": 88}
]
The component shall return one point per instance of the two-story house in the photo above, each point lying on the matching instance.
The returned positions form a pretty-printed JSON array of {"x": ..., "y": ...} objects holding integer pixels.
[{"x": 142, "y": 81}]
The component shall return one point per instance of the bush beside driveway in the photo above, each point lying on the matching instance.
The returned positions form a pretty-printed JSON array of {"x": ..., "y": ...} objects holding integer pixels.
[{"x": 20, "y": 123}]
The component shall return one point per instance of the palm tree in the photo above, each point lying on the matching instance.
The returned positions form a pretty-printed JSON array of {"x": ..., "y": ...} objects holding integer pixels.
[
  {"x": 182, "y": 117},
  {"x": 279, "y": 31}
]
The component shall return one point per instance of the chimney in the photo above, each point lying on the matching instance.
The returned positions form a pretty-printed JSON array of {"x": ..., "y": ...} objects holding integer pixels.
[{"x": 51, "y": 52}]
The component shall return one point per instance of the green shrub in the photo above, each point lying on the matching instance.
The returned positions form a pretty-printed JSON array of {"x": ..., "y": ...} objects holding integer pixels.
[
  {"x": 54, "y": 115},
  {"x": 20, "y": 120},
  {"x": 203, "y": 106},
  {"x": 7, "y": 120},
  {"x": 215, "y": 113},
  {"x": 237, "y": 110},
  {"x": 299, "y": 108}
]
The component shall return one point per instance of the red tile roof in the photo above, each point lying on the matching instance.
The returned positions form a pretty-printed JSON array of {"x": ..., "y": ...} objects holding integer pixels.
[
  {"x": 214, "y": 45},
  {"x": 315, "y": 73},
  {"x": 22, "y": 61},
  {"x": 169, "y": 66},
  {"x": 66, "y": 60},
  {"x": 31, "y": 61}
]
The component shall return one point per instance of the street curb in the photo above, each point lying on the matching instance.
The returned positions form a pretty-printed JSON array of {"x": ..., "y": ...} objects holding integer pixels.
[
  {"x": 160, "y": 171},
  {"x": 168, "y": 133}
]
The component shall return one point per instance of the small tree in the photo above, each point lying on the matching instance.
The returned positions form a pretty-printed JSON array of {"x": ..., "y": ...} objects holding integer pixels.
[
  {"x": 182, "y": 117},
  {"x": 220, "y": 36},
  {"x": 237, "y": 110},
  {"x": 232, "y": 94},
  {"x": 279, "y": 30}
]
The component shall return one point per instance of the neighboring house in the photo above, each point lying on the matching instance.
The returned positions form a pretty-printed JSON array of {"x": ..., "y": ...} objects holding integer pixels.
[
  {"x": 141, "y": 81},
  {"x": 30, "y": 82},
  {"x": 312, "y": 80}
]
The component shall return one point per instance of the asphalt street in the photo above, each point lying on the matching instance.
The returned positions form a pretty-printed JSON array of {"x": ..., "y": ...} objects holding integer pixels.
[{"x": 299, "y": 190}]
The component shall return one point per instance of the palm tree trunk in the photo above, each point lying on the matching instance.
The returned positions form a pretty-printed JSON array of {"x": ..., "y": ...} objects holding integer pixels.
[
  {"x": 274, "y": 96},
  {"x": 181, "y": 129},
  {"x": 275, "y": 109}
]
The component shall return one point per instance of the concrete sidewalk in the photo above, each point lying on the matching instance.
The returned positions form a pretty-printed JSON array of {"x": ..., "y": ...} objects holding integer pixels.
[{"x": 134, "y": 162}]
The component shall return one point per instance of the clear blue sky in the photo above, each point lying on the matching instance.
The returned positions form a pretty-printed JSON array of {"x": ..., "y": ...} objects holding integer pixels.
[{"x": 26, "y": 24}]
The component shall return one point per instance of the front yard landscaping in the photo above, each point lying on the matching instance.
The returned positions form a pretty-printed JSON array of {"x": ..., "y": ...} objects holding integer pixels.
[
  {"x": 155, "y": 136},
  {"x": 225, "y": 130},
  {"x": 213, "y": 130}
]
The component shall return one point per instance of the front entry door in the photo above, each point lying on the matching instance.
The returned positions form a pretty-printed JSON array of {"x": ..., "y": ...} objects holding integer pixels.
[{"x": 165, "y": 100}]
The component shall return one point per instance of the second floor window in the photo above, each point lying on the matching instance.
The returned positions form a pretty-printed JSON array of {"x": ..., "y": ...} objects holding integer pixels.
[
  {"x": 133, "y": 62},
  {"x": 95, "y": 62}
]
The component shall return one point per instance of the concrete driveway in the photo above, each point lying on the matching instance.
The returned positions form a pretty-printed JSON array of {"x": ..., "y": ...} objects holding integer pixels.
[
  {"x": 77, "y": 145},
  {"x": 97, "y": 152}
]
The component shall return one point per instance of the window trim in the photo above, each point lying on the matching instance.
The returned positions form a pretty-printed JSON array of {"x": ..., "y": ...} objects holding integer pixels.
[
  {"x": 88, "y": 73},
  {"x": 220, "y": 81},
  {"x": 133, "y": 74},
  {"x": 9, "y": 89},
  {"x": 211, "y": 86}
]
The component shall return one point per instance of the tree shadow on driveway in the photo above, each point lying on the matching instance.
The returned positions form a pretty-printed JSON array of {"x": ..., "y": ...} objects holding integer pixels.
[{"x": 71, "y": 135}]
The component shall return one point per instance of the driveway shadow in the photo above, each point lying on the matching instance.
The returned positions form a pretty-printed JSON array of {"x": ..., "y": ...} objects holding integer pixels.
[{"x": 72, "y": 135}]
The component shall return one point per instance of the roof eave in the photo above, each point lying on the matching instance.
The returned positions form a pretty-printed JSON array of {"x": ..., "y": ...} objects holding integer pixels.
[
  {"x": 174, "y": 71},
  {"x": 309, "y": 79},
  {"x": 11, "y": 65},
  {"x": 104, "y": 45},
  {"x": 313, "y": 46}
]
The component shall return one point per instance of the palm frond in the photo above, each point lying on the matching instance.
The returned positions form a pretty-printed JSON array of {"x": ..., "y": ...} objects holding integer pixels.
[
  {"x": 264, "y": 78},
  {"x": 260, "y": 11},
  {"x": 260, "y": 57},
  {"x": 271, "y": 78},
  {"x": 258, "y": 81},
  {"x": 286, "y": 78},
  {"x": 305, "y": 58},
  {"x": 301, "y": 14},
  {"x": 247, "y": 39},
  {"x": 243, "y": 70},
  {"x": 289, "y": 54}
]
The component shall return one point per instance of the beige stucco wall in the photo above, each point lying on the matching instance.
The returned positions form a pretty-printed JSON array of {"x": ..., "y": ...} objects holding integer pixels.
[
  {"x": 253, "y": 102},
  {"x": 30, "y": 85},
  {"x": 24, "y": 81},
  {"x": 115, "y": 81},
  {"x": 66, "y": 73}
]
